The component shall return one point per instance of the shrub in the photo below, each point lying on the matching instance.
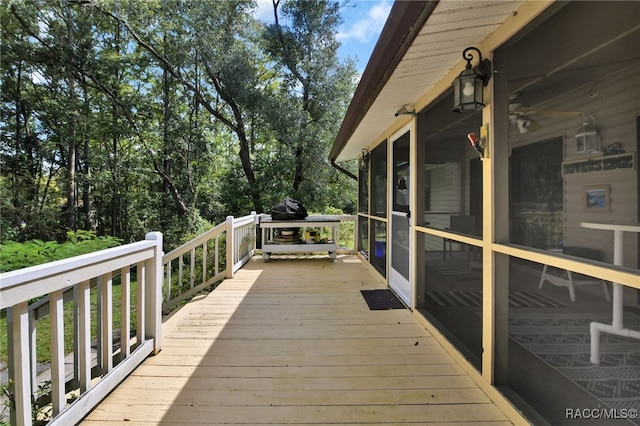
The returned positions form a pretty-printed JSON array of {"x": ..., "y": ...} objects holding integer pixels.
[{"x": 14, "y": 255}]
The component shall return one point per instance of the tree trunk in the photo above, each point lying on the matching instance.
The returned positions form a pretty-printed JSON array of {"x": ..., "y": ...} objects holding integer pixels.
[
  {"x": 116, "y": 198},
  {"x": 72, "y": 200},
  {"x": 166, "y": 164},
  {"x": 298, "y": 175},
  {"x": 15, "y": 187},
  {"x": 86, "y": 182}
]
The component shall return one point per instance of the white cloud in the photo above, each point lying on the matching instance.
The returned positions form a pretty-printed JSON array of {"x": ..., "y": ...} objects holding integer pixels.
[{"x": 363, "y": 30}]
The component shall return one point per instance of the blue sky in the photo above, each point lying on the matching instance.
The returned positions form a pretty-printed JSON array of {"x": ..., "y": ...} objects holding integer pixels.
[{"x": 363, "y": 21}]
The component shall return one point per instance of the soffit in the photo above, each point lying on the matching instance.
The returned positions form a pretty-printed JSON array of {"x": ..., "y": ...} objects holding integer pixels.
[{"x": 437, "y": 49}]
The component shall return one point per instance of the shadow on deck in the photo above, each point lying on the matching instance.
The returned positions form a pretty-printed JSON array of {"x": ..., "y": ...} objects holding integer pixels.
[{"x": 292, "y": 341}]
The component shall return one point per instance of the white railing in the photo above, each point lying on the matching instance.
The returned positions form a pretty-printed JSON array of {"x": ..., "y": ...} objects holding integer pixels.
[
  {"x": 204, "y": 260},
  {"x": 149, "y": 283},
  {"x": 78, "y": 280},
  {"x": 348, "y": 234}
]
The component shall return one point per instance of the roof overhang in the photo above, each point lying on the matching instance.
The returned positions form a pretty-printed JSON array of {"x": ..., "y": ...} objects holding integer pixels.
[{"x": 420, "y": 45}]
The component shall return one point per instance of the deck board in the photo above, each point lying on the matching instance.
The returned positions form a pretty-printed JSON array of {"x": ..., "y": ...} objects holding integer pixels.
[{"x": 293, "y": 342}]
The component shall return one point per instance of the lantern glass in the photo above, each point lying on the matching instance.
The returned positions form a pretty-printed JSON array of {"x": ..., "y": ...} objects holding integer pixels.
[
  {"x": 588, "y": 138},
  {"x": 468, "y": 89}
]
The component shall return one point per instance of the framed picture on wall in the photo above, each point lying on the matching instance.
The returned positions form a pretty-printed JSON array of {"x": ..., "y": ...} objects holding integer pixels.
[{"x": 596, "y": 198}]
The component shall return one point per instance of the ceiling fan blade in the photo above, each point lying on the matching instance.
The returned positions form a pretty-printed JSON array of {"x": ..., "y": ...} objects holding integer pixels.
[
  {"x": 523, "y": 108},
  {"x": 534, "y": 126},
  {"x": 559, "y": 114},
  {"x": 521, "y": 124}
]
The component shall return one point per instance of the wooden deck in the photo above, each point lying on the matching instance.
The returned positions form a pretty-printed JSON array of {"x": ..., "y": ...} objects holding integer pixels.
[{"x": 292, "y": 341}]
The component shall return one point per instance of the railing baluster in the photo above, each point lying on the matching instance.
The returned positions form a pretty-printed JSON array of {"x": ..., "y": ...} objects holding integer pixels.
[
  {"x": 58, "y": 377},
  {"x": 204, "y": 262},
  {"x": 192, "y": 270},
  {"x": 106, "y": 329},
  {"x": 84, "y": 334},
  {"x": 125, "y": 311},
  {"x": 140, "y": 301},
  {"x": 168, "y": 282},
  {"x": 32, "y": 351},
  {"x": 99, "y": 319},
  {"x": 76, "y": 336},
  {"x": 217, "y": 255},
  {"x": 180, "y": 268}
]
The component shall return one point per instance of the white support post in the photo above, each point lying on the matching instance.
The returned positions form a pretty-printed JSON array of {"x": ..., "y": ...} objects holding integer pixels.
[
  {"x": 230, "y": 245},
  {"x": 495, "y": 224},
  {"x": 153, "y": 287}
]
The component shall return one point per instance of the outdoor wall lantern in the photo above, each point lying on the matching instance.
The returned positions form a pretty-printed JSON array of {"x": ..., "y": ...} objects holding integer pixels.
[
  {"x": 467, "y": 95},
  {"x": 587, "y": 137},
  {"x": 402, "y": 187},
  {"x": 402, "y": 184},
  {"x": 364, "y": 159}
]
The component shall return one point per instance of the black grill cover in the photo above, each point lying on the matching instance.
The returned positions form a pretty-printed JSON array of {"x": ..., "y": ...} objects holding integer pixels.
[{"x": 289, "y": 209}]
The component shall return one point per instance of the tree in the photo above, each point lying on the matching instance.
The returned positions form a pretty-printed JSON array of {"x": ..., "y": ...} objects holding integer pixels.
[
  {"x": 126, "y": 116},
  {"x": 218, "y": 40},
  {"x": 316, "y": 87}
]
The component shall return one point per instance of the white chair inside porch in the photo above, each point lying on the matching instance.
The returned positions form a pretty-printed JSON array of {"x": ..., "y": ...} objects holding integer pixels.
[{"x": 570, "y": 280}]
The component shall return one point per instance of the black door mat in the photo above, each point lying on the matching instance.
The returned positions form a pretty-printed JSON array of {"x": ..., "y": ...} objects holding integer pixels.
[{"x": 382, "y": 299}]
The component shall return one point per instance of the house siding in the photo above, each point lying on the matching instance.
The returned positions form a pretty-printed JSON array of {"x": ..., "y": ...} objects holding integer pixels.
[{"x": 615, "y": 113}]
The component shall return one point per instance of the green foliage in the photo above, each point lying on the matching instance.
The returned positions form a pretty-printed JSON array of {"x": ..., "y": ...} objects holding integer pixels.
[
  {"x": 182, "y": 286},
  {"x": 129, "y": 116},
  {"x": 315, "y": 90},
  {"x": 14, "y": 255},
  {"x": 186, "y": 229}
]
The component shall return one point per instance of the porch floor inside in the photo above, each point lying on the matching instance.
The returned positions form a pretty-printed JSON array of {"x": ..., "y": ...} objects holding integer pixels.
[{"x": 292, "y": 341}]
